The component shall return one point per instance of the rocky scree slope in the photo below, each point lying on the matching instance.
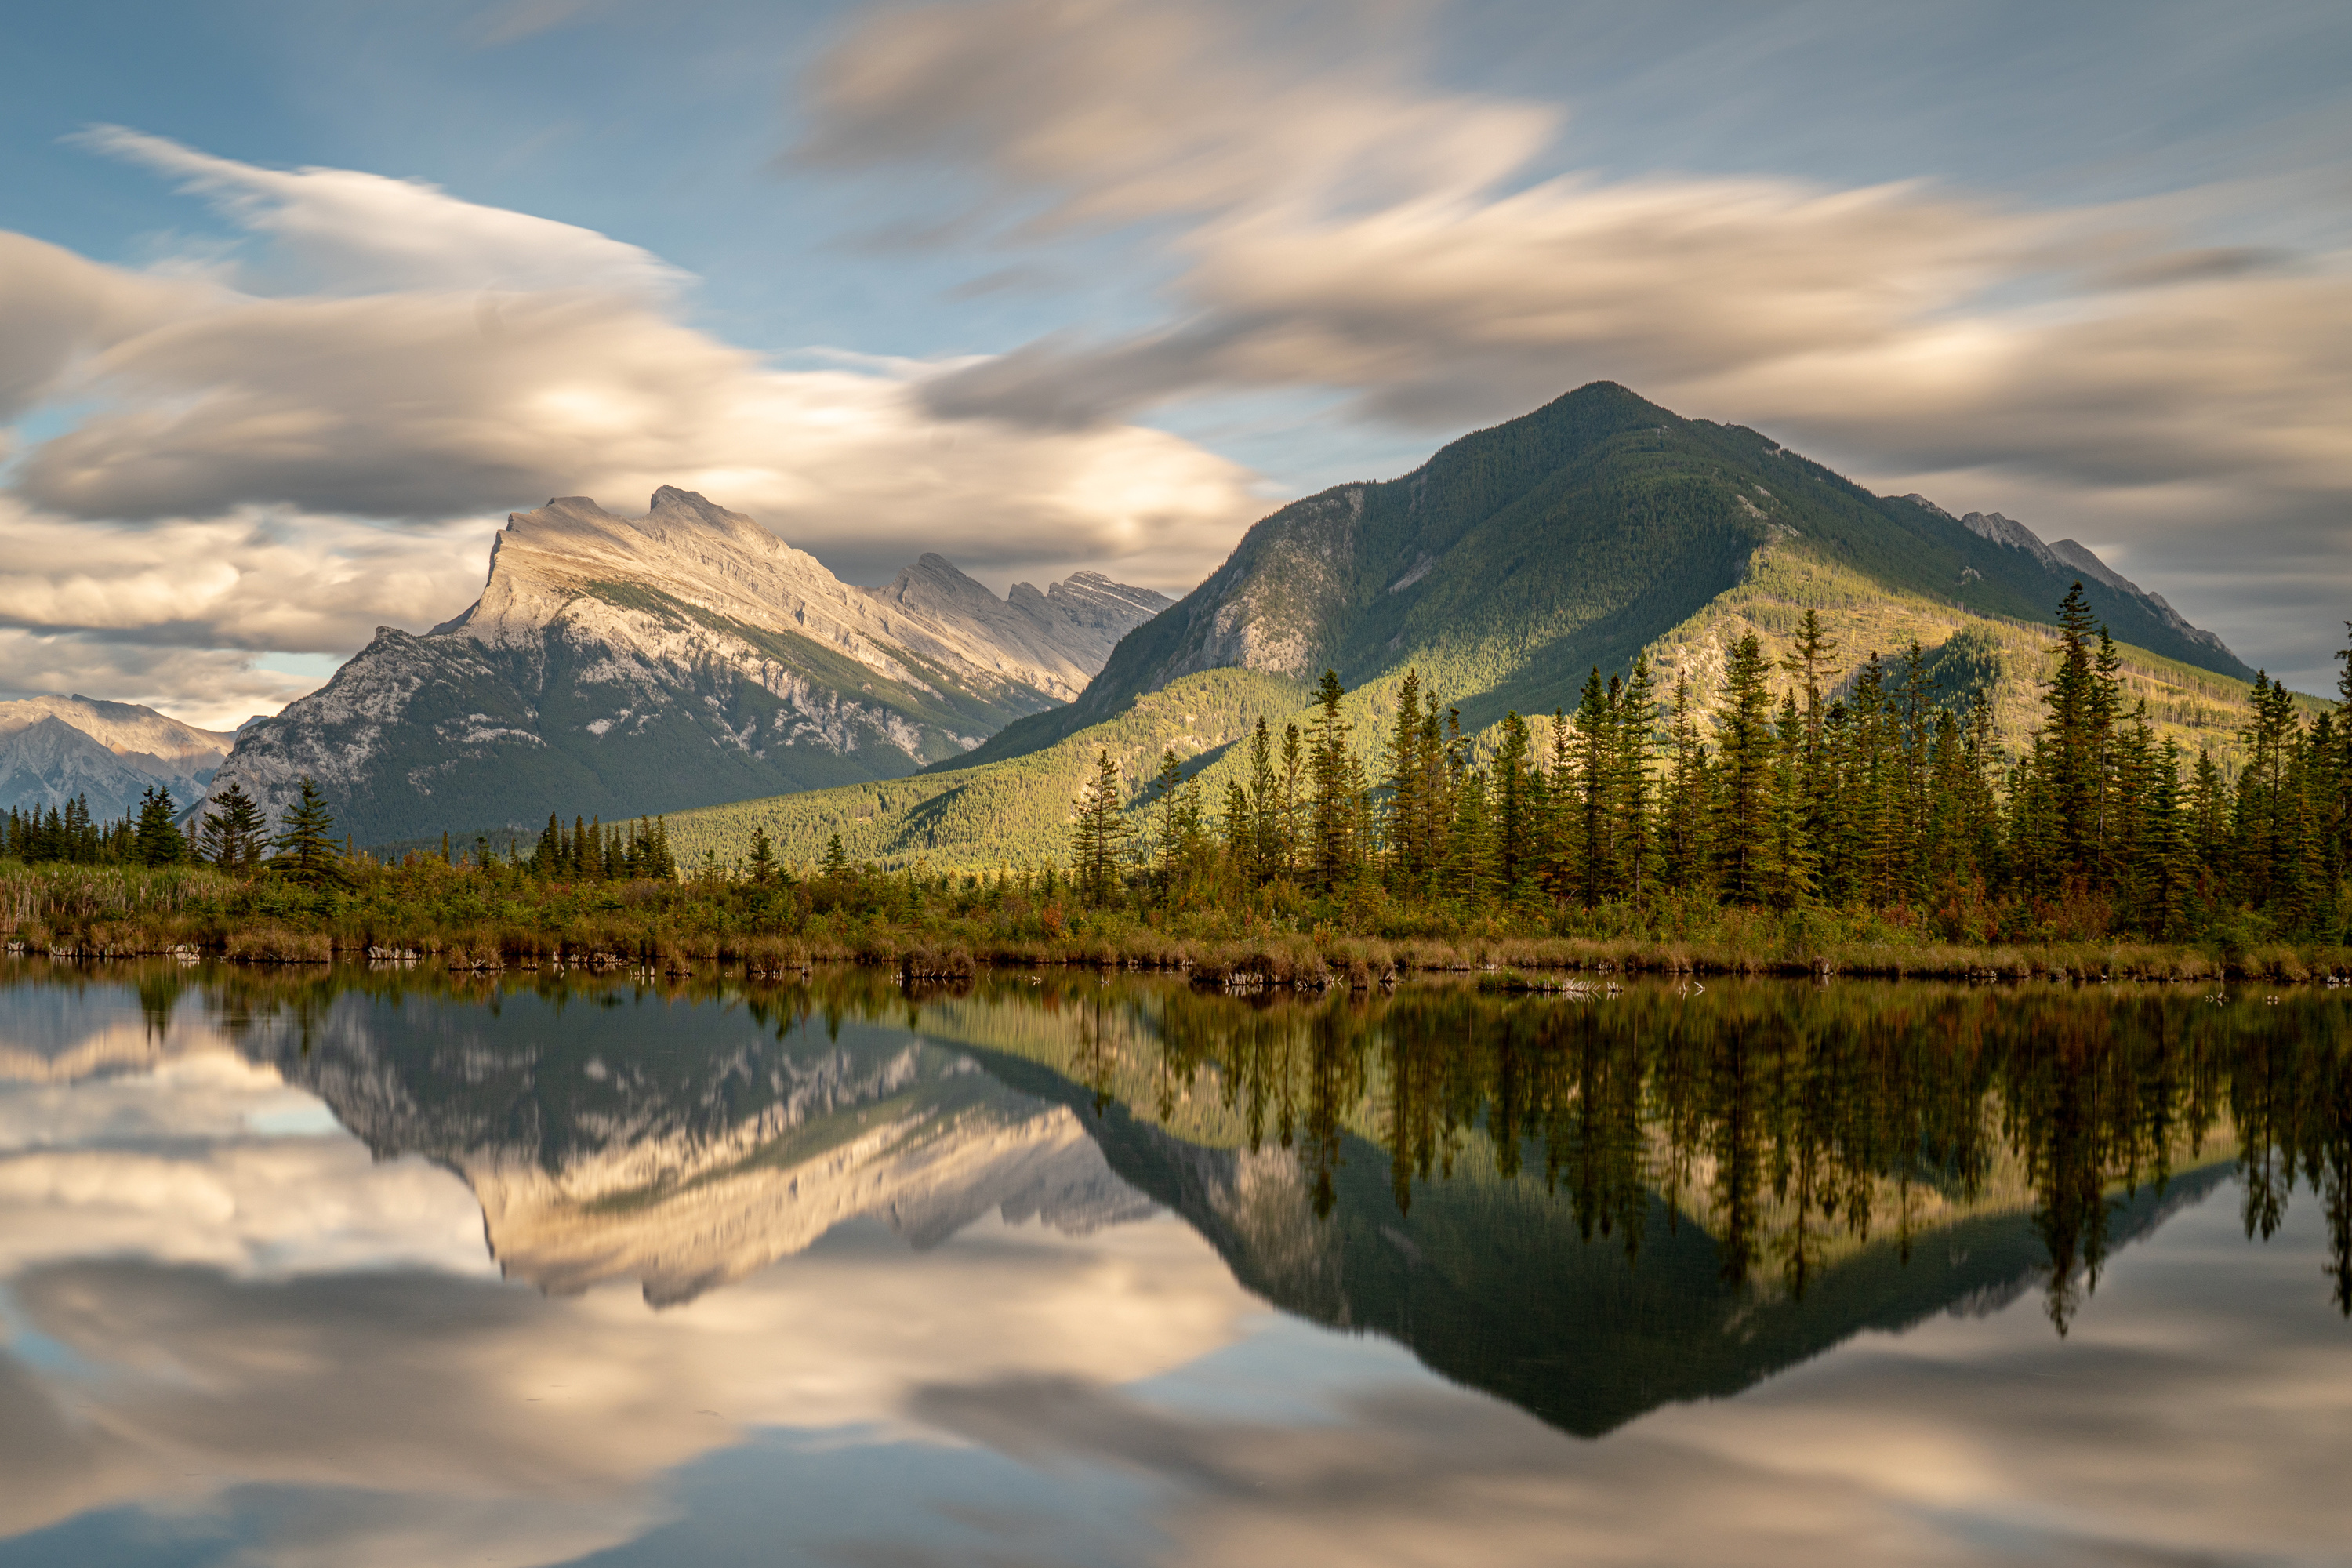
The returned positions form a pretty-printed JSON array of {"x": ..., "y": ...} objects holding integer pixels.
[
  {"x": 55, "y": 748},
  {"x": 1518, "y": 557},
  {"x": 622, "y": 666}
]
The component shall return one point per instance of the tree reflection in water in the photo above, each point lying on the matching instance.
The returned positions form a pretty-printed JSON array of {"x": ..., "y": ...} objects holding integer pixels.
[
  {"x": 1735, "y": 1147},
  {"x": 1794, "y": 1124}
]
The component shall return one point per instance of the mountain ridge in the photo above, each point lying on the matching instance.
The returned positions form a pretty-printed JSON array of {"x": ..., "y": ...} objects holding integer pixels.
[
  {"x": 630, "y": 666},
  {"x": 55, "y": 748},
  {"x": 1517, "y": 557}
]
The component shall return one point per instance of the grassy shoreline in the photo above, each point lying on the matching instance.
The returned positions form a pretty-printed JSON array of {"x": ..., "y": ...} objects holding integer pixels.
[{"x": 464, "y": 919}]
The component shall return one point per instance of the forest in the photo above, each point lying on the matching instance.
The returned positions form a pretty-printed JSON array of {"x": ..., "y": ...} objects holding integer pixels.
[{"x": 1872, "y": 827}]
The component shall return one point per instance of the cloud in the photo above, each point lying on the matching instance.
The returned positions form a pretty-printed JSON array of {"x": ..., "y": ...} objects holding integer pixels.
[
  {"x": 356, "y": 233},
  {"x": 1461, "y": 281},
  {"x": 175, "y": 614},
  {"x": 404, "y": 387}
]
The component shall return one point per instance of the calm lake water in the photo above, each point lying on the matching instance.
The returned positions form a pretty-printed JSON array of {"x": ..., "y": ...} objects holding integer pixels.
[{"x": 311, "y": 1268}]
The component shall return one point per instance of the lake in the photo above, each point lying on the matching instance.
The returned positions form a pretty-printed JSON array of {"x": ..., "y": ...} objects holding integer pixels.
[{"x": 396, "y": 1266}]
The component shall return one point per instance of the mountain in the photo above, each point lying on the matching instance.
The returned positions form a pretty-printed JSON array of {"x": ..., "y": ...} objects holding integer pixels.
[
  {"x": 1520, "y": 556},
  {"x": 684, "y": 1146},
  {"x": 624, "y": 666},
  {"x": 1595, "y": 530},
  {"x": 55, "y": 748}
]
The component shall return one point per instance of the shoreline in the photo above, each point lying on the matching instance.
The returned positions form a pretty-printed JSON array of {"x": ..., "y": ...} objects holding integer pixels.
[{"x": 1558, "y": 965}]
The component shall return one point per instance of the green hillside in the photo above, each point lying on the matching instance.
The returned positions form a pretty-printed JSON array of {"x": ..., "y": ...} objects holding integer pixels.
[
  {"x": 1596, "y": 531},
  {"x": 1016, "y": 811},
  {"x": 1519, "y": 557}
]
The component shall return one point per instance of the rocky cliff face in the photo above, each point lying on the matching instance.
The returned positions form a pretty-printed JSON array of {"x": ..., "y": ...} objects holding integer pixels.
[
  {"x": 54, "y": 747},
  {"x": 624, "y": 666}
]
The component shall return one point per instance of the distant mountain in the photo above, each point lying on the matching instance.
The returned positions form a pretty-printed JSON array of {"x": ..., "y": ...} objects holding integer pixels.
[
  {"x": 622, "y": 666},
  {"x": 1596, "y": 530},
  {"x": 55, "y": 748},
  {"x": 1520, "y": 556}
]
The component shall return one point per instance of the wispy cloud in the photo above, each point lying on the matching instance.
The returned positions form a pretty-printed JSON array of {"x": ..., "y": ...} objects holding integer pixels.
[{"x": 1337, "y": 227}]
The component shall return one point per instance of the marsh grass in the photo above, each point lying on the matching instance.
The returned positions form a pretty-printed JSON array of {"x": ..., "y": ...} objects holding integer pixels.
[{"x": 470, "y": 920}]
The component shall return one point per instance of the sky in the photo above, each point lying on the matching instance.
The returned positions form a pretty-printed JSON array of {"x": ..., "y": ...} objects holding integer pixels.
[{"x": 298, "y": 302}]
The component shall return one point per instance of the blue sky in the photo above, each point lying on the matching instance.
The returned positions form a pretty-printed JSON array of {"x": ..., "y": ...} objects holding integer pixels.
[{"x": 1052, "y": 283}]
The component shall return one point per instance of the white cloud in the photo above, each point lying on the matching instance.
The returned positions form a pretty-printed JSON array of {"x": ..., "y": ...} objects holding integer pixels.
[
  {"x": 1888, "y": 327},
  {"x": 349, "y": 232},
  {"x": 444, "y": 363}
]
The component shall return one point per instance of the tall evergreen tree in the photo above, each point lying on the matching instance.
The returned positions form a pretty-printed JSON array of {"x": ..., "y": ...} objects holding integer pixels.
[
  {"x": 1099, "y": 839},
  {"x": 231, "y": 834},
  {"x": 157, "y": 840},
  {"x": 1745, "y": 745},
  {"x": 306, "y": 840}
]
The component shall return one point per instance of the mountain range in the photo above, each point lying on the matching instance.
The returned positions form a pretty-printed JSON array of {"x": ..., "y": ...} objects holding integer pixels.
[
  {"x": 625, "y": 666},
  {"x": 55, "y": 748},
  {"x": 1596, "y": 530}
]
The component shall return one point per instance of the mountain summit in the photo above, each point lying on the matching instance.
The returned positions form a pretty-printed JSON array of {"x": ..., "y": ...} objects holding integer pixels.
[
  {"x": 1595, "y": 530},
  {"x": 622, "y": 666},
  {"x": 1519, "y": 557}
]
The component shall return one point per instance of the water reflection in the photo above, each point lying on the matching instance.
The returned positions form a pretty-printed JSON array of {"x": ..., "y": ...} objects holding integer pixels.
[{"x": 1594, "y": 1210}]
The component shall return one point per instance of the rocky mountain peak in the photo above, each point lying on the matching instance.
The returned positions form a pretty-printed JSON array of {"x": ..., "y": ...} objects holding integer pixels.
[{"x": 688, "y": 656}]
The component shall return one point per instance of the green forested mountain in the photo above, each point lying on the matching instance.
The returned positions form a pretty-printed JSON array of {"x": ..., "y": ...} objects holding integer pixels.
[
  {"x": 1519, "y": 557},
  {"x": 1598, "y": 529}
]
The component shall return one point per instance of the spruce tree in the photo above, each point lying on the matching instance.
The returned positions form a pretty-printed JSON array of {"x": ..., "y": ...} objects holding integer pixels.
[
  {"x": 1595, "y": 749},
  {"x": 1099, "y": 837},
  {"x": 1684, "y": 851},
  {"x": 1637, "y": 719},
  {"x": 1745, "y": 745},
  {"x": 1331, "y": 856},
  {"x": 231, "y": 834},
  {"x": 157, "y": 840},
  {"x": 1166, "y": 787},
  {"x": 306, "y": 840}
]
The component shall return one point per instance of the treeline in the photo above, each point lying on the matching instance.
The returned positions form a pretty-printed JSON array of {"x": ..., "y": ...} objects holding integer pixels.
[
  {"x": 233, "y": 835},
  {"x": 594, "y": 852},
  {"x": 1888, "y": 796},
  {"x": 150, "y": 837}
]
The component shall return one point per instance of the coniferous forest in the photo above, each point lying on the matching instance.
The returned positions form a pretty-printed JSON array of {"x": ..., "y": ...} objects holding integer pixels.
[{"x": 1870, "y": 823}]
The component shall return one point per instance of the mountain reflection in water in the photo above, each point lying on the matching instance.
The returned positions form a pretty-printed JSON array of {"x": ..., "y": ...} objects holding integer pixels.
[{"x": 1590, "y": 1208}]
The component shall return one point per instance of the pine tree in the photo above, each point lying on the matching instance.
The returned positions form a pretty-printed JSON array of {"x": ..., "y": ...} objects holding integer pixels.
[
  {"x": 1742, "y": 826},
  {"x": 762, "y": 864},
  {"x": 1100, "y": 838},
  {"x": 231, "y": 834},
  {"x": 306, "y": 840},
  {"x": 1685, "y": 858},
  {"x": 836, "y": 862},
  {"x": 1331, "y": 852}
]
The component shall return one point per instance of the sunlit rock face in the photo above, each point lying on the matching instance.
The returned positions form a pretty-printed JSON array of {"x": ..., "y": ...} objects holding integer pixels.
[
  {"x": 622, "y": 666},
  {"x": 53, "y": 749},
  {"x": 693, "y": 1164}
]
